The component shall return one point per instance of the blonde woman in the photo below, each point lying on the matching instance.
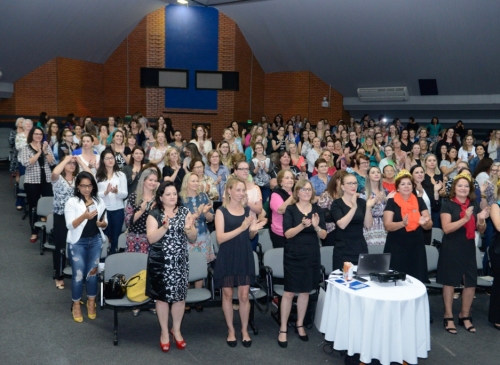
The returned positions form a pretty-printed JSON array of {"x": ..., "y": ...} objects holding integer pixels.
[
  {"x": 399, "y": 154},
  {"x": 121, "y": 151},
  {"x": 201, "y": 209},
  {"x": 494, "y": 146},
  {"x": 376, "y": 234},
  {"x": 206, "y": 183},
  {"x": 371, "y": 151},
  {"x": 157, "y": 153},
  {"x": 225, "y": 154},
  {"x": 235, "y": 227},
  {"x": 467, "y": 152},
  {"x": 296, "y": 159},
  {"x": 228, "y": 136},
  {"x": 413, "y": 158},
  {"x": 172, "y": 169},
  {"x": 303, "y": 224}
]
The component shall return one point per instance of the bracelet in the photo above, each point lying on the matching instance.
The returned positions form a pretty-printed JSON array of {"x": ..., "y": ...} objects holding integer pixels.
[
  {"x": 317, "y": 230},
  {"x": 481, "y": 224},
  {"x": 483, "y": 196}
]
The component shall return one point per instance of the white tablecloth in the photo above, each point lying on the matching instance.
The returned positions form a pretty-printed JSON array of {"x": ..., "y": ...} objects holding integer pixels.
[{"x": 384, "y": 322}]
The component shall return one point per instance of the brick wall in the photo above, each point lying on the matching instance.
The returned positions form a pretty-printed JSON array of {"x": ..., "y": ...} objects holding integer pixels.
[
  {"x": 63, "y": 86},
  {"x": 291, "y": 93}
]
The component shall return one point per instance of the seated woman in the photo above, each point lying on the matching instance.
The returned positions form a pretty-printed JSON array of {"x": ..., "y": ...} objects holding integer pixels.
[
  {"x": 85, "y": 219},
  {"x": 405, "y": 217},
  {"x": 281, "y": 198},
  {"x": 303, "y": 224}
]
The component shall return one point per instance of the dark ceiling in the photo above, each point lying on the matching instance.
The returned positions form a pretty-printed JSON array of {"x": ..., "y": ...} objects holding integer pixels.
[{"x": 347, "y": 43}]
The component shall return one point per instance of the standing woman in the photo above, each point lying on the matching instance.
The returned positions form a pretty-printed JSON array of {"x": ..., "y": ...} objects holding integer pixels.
[
  {"x": 372, "y": 151},
  {"x": 480, "y": 154},
  {"x": 313, "y": 155},
  {"x": 225, "y": 155},
  {"x": 137, "y": 132},
  {"x": 63, "y": 186},
  {"x": 37, "y": 158},
  {"x": 376, "y": 234},
  {"x": 78, "y": 134},
  {"x": 202, "y": 211},
  {"x": 201, "y": 141},
  {"x": 178, "y": 144},
  {"x": 206, "y": 183},
  {"x": 254, "y": 196},
  {"x": 327, "y": 156},
  {"x": 192, "y": 153},
  {"x": 449, "y": 140},
  {"x": 14, "y": 162},
  {"x": 325, "y": 201},
  {"x": 169, "y": 227},
  {"x": 467, "y": 152},
  {"x": 283, "y": 164},
  {"x": 322, "y": 178},
  {"x": 169, "y": 129},
  {"x": 460, "y": 218},
  {"x": 449, "y": 167},
  {"x": 360, "y": 170},
  {"x": 157, "y": 153},
  {"x": 303, "y": 223},
  {"x": 281, "y": 198},
  {"x": 430, "y": 196},
  {"x": 413, "y": 158},
  {"x": 393, "y": 133},
  {"x": 307, "y": 143},
  {"x": 399, "y": 153},
  {"x": 149, "y": 141},
  {"x": 85, "y": 216},
  {"x": 432, "y": 177},
  {"x": 434, "y": 128},
  {"x": 279, "y": 142},
  {"x": 173, "y": 171},
  {"x": 296, "y": 158},
  {"x": 139, "y": 203},
  {"x": 494, "y": 251},
  {"x": 87, "y": 155},
  {"x": 319, "y": 130},
  {"x": 259, "y": 169},
  {"x": 112, "y": 185},
  {"x": 235, "y": 228},
  {"x": 389, "y": 159},
  {"x": 404, "y": 218},
  {"x": 217, "y": 171},
  {"x": 351, "y": 147},
  {"x": 121, "y": 151},
  {"x": 350, "y": 214},
  {"x": 133, "y": 170},
  {"x": 406, "y": 144},
  {"x": 494, "y": 146}
]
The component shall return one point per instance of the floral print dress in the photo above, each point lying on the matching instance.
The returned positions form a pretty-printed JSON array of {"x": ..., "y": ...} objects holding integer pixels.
[{"x": 376, "y": 234}]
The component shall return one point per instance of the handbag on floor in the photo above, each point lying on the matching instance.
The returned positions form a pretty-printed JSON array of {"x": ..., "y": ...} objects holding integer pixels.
[
  {"x": 136, "y": 287},
  {"x": 115, "y": 288}
]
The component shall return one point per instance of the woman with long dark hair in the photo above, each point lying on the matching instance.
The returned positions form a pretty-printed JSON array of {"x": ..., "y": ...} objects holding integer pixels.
[
  {"x": 85, "y": 216},
  {"x": 169, "y": 227},
  {"x": 133, "y": 170},
  {"x": 112, "y": 186},
  {"x": 37, "y": 157}
]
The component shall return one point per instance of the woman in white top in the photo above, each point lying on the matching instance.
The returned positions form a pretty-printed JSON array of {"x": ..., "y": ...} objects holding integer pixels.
[
  {"x": 493, "y": 145},
  {"x": 467, "y": 152},
  {"x": 85, "y": 216},
  {"x": 449, "y": 167},
  {"x": 22, "y": 137},
  {"x": 112, "y": 185},
  {"x": 157, "y": 153},
  {"x": 78, "y": 134},
  {"x": 87, "y": 154},
  {"x": 313, "y": 154},
  {"x": 389, "y": 159},
  {"x": 254, "y": 196},
  {"x": 201, "y": 140}
]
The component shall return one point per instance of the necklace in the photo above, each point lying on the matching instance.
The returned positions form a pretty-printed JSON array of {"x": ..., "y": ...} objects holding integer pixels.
[{"x": 71, "y": 182}]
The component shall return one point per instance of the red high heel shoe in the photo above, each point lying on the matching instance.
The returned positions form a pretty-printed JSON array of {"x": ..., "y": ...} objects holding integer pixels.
[
  {"x": 165, "y": 346},
  {"x": 180, "y": 344}
]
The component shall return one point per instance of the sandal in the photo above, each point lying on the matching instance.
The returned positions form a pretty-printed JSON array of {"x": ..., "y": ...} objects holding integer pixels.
[
  {"x": 135, "y": 312},
  {"x": 451, "y": 330},
  {"x": 59, "y": 286},
  {"x": 471, "y": 328}
]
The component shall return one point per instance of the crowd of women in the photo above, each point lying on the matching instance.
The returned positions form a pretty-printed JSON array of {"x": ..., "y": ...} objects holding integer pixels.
[{"x": 351, "y": 185}]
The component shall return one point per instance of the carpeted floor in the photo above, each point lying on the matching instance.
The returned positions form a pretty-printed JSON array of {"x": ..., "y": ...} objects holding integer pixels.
[{"x": 37, "y": 327}]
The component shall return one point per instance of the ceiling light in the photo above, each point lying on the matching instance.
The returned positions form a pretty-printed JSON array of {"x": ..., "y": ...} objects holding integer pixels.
[{"x": 182, "y": 1}]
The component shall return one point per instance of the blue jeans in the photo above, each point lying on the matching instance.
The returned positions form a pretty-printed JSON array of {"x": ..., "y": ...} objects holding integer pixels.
[
  {"x": 266, "y": 193},
  {"x": 114, "y": 228},
  {"x": 85, "y": 255}
]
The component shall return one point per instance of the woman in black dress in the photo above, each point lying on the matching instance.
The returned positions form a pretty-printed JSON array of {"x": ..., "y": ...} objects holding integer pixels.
[
  {"x": 235, "y": 264},
  {"x": 494, "y": 313},
  {"x": 405, "y": 218},
  {"x": 350, "y": 214},
  {"x": 169, "y": 227},
  {"x": 460, "y": 218},
  {"x": 303, "y": 223}
]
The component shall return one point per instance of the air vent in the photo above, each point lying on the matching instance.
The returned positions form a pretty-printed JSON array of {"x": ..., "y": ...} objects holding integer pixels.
[{"x": 397, "y": 93}]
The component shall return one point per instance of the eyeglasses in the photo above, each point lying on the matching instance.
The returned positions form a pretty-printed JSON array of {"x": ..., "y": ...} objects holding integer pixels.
[
  {"x": 306, "y": 190},
  {"x": 351, "y": 183},
  {"x": 109, "y": 158},
  {"x": 243, "y": 169},
  {"x": 85, "y": 186}
]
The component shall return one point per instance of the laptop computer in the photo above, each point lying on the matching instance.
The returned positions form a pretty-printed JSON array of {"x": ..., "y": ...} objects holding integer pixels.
[{"x": 373, "y": 263}]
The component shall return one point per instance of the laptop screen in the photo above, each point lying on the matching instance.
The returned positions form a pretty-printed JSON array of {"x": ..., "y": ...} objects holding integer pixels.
[{"x": 373, "y": 263}]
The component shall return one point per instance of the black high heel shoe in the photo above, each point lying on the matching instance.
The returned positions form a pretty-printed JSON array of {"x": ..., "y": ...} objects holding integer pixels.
[
  {"x": 303, "y": 338},
  {"x": 449, "y": 330},
  {"x": 283, "y": 344},
  {"x": 461, "y": 323}
]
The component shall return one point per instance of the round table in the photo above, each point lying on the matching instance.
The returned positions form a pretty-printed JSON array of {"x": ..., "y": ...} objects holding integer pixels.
[{"x": 384, "y": 321}]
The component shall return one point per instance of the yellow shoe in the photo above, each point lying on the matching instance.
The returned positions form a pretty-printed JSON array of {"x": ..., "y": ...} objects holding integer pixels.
[
  {"x": 77, "y": 319},
  {"x": 89, "y": 313}
]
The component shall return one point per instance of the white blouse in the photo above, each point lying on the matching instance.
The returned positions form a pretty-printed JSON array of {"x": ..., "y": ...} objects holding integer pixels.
[{"x": 114, "y": 201}]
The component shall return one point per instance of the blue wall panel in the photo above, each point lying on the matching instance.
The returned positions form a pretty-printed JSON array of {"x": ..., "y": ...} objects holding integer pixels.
[{"x": 192, "y": 43}]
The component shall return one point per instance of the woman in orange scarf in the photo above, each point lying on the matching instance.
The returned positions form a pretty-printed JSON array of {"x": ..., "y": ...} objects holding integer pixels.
[{"x": 405, "y": 217}]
